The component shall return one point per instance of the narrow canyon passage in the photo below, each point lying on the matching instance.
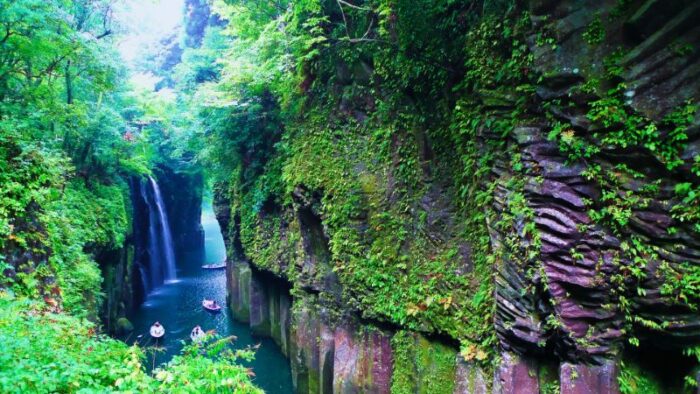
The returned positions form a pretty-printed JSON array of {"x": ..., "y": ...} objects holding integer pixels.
[
  {"x": 177, "y": 305},
  {"x": 408, "y": 196}
]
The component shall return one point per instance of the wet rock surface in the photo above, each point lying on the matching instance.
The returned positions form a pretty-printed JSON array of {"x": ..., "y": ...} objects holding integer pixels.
[{"x": 469, "y": 379}]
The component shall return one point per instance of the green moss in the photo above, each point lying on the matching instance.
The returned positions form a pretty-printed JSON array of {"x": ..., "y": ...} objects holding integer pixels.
[
  {"x": 421, "y": 366},
  {"x": 369, "y": 181},
  {"x": 124, "y": 325},
  {"x": 314, "y": 381}
]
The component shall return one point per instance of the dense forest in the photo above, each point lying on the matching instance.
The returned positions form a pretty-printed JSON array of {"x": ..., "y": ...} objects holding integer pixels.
[
  {"x": 73, "y": 131},
  {"x": 424, "y": 196}
]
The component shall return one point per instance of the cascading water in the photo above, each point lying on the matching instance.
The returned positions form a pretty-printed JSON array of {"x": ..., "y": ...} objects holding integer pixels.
[
  {"x": 154, "y": 269},
  {"x": 166, "y": 238},
  {"x": 161, "y": 257}
]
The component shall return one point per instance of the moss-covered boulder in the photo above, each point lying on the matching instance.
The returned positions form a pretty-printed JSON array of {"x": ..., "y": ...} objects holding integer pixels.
[{"x": 124, "y": 326}]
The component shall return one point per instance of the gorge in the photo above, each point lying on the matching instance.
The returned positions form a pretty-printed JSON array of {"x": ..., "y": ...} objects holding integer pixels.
[{"x": 425, "y": 196}]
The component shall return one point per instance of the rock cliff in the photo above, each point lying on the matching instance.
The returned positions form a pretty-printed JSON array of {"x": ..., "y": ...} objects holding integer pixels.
[{"x": 518, "y": 214}]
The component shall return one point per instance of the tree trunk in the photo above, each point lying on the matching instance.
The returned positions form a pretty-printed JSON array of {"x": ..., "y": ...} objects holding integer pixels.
[{"x": 69, "y": 84}]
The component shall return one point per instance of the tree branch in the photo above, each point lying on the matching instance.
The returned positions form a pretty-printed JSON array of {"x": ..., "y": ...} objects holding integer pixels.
[
  {"x": 103, "y": 35},
  {"x": 8, "y": 33},
  {"x": 353, "y": 5},
  {"x": 364, "y": 36},
  {"x": 345, "y": 21}
]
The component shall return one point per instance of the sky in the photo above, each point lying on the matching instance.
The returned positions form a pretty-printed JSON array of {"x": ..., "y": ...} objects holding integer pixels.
[{"x": 145, "y": 22}]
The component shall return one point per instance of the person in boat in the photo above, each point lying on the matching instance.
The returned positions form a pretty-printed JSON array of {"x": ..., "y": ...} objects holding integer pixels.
[
  {"x": 157, "y": 330},
  {"x": 211, "y": 305},
  {"x": 196, "y": 333}
]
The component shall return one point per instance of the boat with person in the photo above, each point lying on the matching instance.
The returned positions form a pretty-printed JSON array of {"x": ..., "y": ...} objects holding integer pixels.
[
  {"x": 211, "y": 305},
  {"x": 157, "y": 330},
  {"x": 197, "y": 334},
  {"x": 216, "y": 266}
]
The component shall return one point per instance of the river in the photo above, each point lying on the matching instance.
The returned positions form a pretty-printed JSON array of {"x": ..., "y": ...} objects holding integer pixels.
[{"x": 177, "y": 305}]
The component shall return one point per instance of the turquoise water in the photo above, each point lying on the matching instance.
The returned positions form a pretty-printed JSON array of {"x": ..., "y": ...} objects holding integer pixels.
[{"x": 177, "y": 306}]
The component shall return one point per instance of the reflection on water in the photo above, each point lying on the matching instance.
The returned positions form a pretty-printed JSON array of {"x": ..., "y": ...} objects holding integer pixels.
[{"x": 177, "y": 305}]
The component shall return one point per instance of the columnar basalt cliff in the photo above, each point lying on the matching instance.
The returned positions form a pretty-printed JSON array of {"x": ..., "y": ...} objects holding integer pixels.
[
  {"x": 517, "y": 215},
  {"x": 182, "y": 192},
  {"x": 121, "y": 295}
]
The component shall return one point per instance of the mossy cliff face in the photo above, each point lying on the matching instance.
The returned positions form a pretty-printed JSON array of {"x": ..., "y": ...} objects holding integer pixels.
[
  {"x": 58, "y": 232},
  {"x": 117, "y": 268},
  {"x": 529, "y": 204}
]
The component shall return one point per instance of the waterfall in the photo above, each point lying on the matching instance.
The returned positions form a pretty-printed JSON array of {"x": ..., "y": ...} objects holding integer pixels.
[
  {"x": 154, "y": 269},
  {"x": 166, "y": 237},
  {"x": 161, "y": 257}
]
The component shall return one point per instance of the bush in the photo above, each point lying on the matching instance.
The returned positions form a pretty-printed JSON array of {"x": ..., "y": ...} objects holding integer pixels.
[{"x": 47, "y": 353}]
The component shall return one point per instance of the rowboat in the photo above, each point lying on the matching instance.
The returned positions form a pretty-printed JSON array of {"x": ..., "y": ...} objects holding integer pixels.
[
  {"x": 197, "y": 334},
  {"x": 211, "y": 305},
  {"x": 214, "y": 266},
  {"x": 157, "y": 330}
]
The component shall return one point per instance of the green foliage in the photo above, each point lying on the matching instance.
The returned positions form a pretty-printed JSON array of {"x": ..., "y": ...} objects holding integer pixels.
[
  {"x": 211, "y": 368},
  {"x": 30, "y": 176},
  {"x": 690, "y": 382},
  {"x": 682, "y": 283},
  {"x": 47, "y": 353},
  {"x": 549, "y": 379},
  {"x": 624, "y": 190},
  {"x": 80, "y": 221},
  {"x": 595, "y": 32},
  {"x": 99, "y": 212},
  {"x": 624, "y": 129},
  {"x": 66, "y": 143},
  {"x": 574, "y": 148},
  {"x": 58, "y": 353},
  {"x": 45, "y": 216},
  {"x": 633, "y": 380}
]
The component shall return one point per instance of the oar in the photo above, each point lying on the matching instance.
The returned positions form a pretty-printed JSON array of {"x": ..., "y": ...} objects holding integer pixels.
[
  {"x": 147, "y": 340},
  {"x": 154, "y": 358}
]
